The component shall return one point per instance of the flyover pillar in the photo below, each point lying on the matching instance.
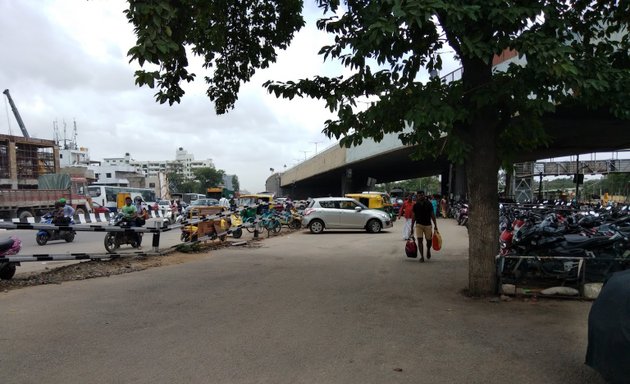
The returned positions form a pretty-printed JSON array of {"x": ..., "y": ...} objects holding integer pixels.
[
  {"x": 458, "y": 190},
  {"x": 346, "y": 182}
]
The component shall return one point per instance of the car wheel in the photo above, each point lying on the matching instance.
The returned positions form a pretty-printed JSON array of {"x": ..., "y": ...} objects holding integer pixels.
[
  {"x": 374, "y": 226},
  {"x": 316, "y": 226}
]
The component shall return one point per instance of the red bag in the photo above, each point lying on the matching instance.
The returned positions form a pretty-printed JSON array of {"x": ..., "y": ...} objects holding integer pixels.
[
  {"x": 436, "y": 241},
  {"x": 411, "y": 249}
]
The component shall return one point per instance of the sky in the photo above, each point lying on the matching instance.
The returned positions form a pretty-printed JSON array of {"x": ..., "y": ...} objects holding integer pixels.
[{"x": 66, "y": 61}]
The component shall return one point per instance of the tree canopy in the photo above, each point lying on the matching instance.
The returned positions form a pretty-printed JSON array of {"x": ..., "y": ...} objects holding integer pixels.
[{"x": 576, "y": 53}]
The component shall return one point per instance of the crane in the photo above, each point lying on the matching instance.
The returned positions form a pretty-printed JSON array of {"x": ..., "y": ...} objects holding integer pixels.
[{"x": 17, "y": 114}]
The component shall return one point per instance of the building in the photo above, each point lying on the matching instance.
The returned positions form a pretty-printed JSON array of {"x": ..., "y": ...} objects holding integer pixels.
[
  {"x": 125, "y": 171},
  {"x": 184, "y": 164},
  {"x": 23, "y": 160}
]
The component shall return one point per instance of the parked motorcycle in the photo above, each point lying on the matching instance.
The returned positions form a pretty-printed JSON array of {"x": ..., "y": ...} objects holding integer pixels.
[
  {"x": 113, "y": 240},
  {"x": 45, "y": 235},
  {"x": 8, "y": 247},
  {"x": 462, "y": 217}
]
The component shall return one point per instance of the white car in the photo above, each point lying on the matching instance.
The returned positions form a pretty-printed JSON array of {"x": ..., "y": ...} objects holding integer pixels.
[{"x": 343, "y": 213}]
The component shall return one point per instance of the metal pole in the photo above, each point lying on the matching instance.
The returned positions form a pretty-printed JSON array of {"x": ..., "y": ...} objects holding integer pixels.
[{"x": 577, "y": 181}]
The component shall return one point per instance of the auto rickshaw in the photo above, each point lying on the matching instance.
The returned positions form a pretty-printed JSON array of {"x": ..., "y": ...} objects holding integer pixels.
[
  {"x": 375, "y": 200},
  {"x": 213, "y": 228}
]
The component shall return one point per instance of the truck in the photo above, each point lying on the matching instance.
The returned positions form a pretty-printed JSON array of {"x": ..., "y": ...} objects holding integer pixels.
[{"x": 25, "y": 203}]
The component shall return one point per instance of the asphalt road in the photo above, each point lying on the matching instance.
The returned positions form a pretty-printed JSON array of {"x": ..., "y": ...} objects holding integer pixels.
[
  {"x": 84, "y": 241},
  {"x": 342, "y": 307}
]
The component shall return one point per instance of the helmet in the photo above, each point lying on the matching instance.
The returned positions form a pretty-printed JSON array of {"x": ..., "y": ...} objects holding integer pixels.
[{"x": 62, "y": 200}]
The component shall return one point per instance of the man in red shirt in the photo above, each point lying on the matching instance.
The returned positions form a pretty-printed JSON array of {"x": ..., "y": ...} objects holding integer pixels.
[{"x": 407, "y": 211}]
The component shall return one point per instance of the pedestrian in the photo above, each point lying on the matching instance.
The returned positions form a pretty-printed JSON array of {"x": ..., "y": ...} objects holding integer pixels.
[
  {"x": 444, "y": 206},
  {"x": 423, "y": 215},
  {"x": 406, "y": 211},
  {"x": 434, "y": 203},
  {"x": 224, "y": 202}
]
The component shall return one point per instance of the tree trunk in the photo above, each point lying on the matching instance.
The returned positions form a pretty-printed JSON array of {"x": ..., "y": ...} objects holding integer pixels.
[{"x": 482, "y": 167}]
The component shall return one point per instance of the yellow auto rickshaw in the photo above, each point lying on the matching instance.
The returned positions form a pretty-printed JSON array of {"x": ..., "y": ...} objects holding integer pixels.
[{"x": 375, "y": 200}]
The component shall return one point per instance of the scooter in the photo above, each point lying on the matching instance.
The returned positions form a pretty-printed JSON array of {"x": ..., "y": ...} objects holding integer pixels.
[
  {"x": 113, "y": 240},
  {"x": 8, "y": 247},
  {"x": 45, "y": 235}
]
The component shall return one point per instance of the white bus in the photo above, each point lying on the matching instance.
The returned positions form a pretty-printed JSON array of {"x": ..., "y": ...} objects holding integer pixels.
[{"x": 105, "y": 195}]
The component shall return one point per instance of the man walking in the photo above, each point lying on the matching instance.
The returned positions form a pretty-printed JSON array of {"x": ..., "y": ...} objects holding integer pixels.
[
  {"x": 407, "y": 211},
  {"x": 422, "y": 216}
]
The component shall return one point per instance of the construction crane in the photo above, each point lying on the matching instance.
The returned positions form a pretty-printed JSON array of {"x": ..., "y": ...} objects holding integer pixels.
[{"x": 17, "y": 114}]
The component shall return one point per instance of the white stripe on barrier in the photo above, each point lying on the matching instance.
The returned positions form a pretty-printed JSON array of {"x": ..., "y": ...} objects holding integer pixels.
[
  {"x": 92, "y": 217},
  {"x": 81, "y": 218},
  {"x": 102, "y": 217}
]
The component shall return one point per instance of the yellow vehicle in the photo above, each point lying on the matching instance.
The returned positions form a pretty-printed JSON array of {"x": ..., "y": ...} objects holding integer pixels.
[
  {"x": 375, "y": 200},
  {"x": 254, "y": 199}
]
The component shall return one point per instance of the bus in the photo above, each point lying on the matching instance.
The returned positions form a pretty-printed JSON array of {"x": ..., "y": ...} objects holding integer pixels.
[
  {"x": 106, "y": 195},
  {"x": 219, "y": 192}
]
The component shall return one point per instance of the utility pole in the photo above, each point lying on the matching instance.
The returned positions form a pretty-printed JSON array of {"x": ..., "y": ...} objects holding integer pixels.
[{"x": 305, "y": 152}]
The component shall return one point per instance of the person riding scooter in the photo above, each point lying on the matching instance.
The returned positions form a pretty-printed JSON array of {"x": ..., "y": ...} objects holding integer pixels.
[{"x": 61, "y": 215}]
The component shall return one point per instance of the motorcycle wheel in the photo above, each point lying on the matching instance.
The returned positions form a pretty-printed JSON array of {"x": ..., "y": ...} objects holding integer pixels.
[
  {"x": 110, "y": 243},
  {"x": 70, "y": 237},
  {"x": 42, "y": 238},
  {"x": 7, "y": 271},
  {"x": 237, "y": 233},
  {"x": 295, "y": 224}
]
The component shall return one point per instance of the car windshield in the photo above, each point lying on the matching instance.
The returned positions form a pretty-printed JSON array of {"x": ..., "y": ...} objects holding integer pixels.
[{"x": 164, "y": 202}]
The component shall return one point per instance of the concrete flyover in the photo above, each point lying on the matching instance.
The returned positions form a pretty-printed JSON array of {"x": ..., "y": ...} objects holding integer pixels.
[{"x": 337, "y": 170}]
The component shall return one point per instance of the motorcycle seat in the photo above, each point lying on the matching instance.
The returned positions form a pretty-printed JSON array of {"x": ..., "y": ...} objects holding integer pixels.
[{"x": 6, "y": 244}]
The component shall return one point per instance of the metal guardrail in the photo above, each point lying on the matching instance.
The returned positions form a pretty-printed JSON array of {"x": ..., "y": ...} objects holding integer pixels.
[{"x": 29, "y": 224}]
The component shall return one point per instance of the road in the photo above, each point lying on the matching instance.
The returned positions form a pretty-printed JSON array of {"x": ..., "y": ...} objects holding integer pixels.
[
  {"x": 340, "y": 307},
  {"x": 85, "y": 241}
]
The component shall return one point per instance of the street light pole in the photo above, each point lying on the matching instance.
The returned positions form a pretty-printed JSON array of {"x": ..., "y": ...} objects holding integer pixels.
[{"x": 316, "y": 142}]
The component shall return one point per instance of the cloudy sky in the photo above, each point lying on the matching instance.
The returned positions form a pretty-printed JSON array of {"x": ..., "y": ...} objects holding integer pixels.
[{"x": 65, "y": 60}]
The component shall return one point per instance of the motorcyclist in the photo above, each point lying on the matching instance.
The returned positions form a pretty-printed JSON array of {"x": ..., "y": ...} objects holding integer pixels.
[
  {"x": 129, "y": 211},
  {"x": 141, "y": 211},
  {"x": 130, "y": 215},
  {"x": 62, "y": 213},
  {"x": 68, "y": 211}
]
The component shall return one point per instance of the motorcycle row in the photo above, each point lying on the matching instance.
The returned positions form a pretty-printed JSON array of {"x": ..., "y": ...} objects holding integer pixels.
[{"x": 563, "y": 244}]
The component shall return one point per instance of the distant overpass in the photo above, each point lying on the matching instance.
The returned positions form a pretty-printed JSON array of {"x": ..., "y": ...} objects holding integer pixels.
[{"x": 337, "y": 170}]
